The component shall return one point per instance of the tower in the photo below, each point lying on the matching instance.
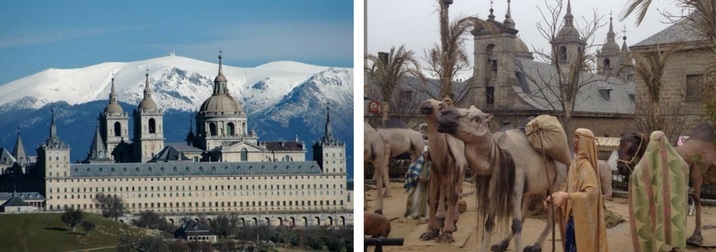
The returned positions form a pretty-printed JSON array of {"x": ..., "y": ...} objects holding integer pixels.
[
  {"x": 607, "y": 57},
  {"x": 568, "y": 45},
  {"x": 53, "y": 155},
  {"x": 494, "y": 70},
  {"x": 148, "y": 130},
  {"x": 329, "y": 152},
  {"x": 113, "y": 123},
  {"x": 19, "y": 152},
  {"x": 221, "y": 117}
]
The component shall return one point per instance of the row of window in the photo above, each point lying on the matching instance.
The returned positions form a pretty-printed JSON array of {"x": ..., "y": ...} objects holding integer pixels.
[
  {"x": 216, "y": 194},
  {"x": 211, "y": 204},
  {"x": 196, "y": 188}
]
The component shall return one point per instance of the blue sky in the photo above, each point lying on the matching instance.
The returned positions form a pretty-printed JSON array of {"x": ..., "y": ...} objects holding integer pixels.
[{"x": 37, "y": 35}]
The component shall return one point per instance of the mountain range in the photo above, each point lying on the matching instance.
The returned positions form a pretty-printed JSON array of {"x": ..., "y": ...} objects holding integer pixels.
[{"x": 283, "y": 100}]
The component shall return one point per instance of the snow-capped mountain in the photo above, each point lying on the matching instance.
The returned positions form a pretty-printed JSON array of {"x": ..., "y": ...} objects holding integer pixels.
[
  {"x": 282, "y": 99},
  {"x": 178, "y": 83}
]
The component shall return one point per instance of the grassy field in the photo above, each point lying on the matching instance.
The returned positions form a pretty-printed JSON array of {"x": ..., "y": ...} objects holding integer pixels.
[{"x": 47, "y": 232}]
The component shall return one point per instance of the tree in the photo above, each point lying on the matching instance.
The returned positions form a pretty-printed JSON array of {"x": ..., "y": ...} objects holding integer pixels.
[
  {"x": 388, "y": 69},
  {"x": 149, "y": 219},
  {"x": 649, "y": 67},
  {"x": 222, "y": 226},
  {"x": 72, "y": 217},
  {"x": 703, "y": 19},
  {"x": 87, "y": 226},
  {"x": 559, "y": 89},
  {"x": 112, "y": 205}
]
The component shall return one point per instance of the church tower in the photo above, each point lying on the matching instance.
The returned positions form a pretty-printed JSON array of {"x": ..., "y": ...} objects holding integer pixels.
[
  {"x": 607, "y": 57},
  {"x": 19, "y": 152},
  {"x": 329, "y": 152},
  {"x": 568, "y": 45},
  {"x": 97, "y": 152},
  {"x": 221, "y": 118},
  {"x": 53, "y": 155},
  {"x": 148, "y": 130},
  {"x": 113, "y": 123},
  {"x": 494, "y": 70}
]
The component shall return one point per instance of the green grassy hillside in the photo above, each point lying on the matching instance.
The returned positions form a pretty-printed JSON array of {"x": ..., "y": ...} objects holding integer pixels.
[{"x": 47, "y": 232}]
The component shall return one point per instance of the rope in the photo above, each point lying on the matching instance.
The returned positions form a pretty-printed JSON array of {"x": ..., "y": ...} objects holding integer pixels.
[{"x": 634, "y": 157}]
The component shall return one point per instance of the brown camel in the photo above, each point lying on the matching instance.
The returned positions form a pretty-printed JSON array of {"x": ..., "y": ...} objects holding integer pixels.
[
  {"x": 699, "y": 153},
  {"x": 504, "y": 183},
  {"x": 446, "y": 175},
  {"x": 376, "y": 152}
]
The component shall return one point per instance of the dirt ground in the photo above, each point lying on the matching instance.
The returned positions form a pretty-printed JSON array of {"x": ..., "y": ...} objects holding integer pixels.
[{"x": 619, "y": 237}]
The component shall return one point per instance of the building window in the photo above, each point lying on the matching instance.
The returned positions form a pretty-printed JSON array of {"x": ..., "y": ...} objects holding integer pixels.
[
  {"x": 563, "y": 54},
  {"x": 152, "y": 126},
  {"x": 693, "y": 87},
  {"x": 212, "y": 129},
  {"x": 117, "y": 129}
]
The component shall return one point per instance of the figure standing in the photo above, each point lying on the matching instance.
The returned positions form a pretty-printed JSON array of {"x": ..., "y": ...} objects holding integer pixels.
[
  {"x": 658, "y": 191},
  {"x": 580, "y": 203},
  {"x": 416, "y": 183}
]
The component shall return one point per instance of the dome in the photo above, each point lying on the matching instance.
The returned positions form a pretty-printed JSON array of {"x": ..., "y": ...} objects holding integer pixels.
[
  {"x": 221, "y": 103},
  {"x": 148, "y": 104},
  {"x": 113, "y": 108},
  {"x": 568, "y": 31},
  {"x": 520, "y": 46},
  {"x": 610, "y": 47}
]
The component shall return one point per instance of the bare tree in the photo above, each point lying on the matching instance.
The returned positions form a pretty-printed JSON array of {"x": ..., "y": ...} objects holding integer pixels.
[
  {"x": 112, "y": 205},
  {"x": 388, "y": 70},
  {"x": 72, "y": 217},
  {"x": 558, "y": 88}
]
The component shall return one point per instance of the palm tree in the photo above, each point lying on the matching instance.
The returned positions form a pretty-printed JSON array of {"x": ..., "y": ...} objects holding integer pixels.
[
  {"x": 388, "y": 70},
  {"x": 649, "y": 67}
]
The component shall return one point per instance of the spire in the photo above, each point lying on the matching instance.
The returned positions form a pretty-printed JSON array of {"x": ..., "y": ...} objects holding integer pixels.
[
  {"x": 508, "y": 17},
  {"x": 113, "y": 93},
  {"x": 568, "y": 18},
  {"x": 97, "y": 151},
  {"x": 113, "y": 106},
  {"x": 190, "y": 136},
  {"x": 19, "y": 151},
  {"x": 220, "y": 80},
  {"x": 610, "y": 34},
  {"x": 624, "y": 44},
  {"x": 147, "y": 88},
  {"x": 53, "y": 129},
  {"x": 329, "y": 139},
  {"x": 491, "y": 16}
]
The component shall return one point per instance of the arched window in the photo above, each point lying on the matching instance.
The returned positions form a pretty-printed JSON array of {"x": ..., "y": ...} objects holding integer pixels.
[
  {"x": 607, "y": 64},
  {"x": 230, "y": 131},
  {"x": 563, "y": 54},
  {"x": 117, "y": 129},
  {"x": 152, "y": 126},
  {"x": 244, "y": 154},
  {"x": 212, "y": 129}
]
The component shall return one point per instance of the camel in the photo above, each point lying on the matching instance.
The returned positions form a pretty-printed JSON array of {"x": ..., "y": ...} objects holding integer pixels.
[
  {"x": 446, "y": 176},
  {"x": 375, "y": 224},
  {"x": 699, "y": 153},
  {"x": 506, "y": 181},
  {"x": 376, "y": 152},
  {"x": 401, "y": 140}
]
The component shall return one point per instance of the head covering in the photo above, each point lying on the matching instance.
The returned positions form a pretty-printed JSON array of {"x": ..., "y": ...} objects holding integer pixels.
[
  {"x": 658, "y": 190},
  {"x": 587, "y": 147}
]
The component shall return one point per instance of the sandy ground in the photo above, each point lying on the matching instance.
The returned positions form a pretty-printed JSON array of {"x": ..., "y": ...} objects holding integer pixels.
[{"x": 465, "y": 237}]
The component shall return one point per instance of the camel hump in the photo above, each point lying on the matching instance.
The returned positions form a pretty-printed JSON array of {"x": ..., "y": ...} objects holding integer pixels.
[
  {"x": 703, "y": 132},
  {"x": 394, "y": 123}
]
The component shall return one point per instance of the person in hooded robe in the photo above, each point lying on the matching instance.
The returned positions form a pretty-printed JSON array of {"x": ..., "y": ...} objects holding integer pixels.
[
  {"x": 658, "y": 192},
  {"x": 416, "y": 184},
  {"x": 580, "y": 203}
]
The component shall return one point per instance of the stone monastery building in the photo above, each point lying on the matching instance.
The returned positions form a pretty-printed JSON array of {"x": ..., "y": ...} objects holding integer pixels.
[{"x": 222, "y": 168}]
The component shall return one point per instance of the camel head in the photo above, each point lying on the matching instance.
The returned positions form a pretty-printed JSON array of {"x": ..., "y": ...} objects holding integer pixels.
[
  {"x": 468, "y": 125},
  {"x": 431, "y": 107},
  {"x": 631, "y": 148}
]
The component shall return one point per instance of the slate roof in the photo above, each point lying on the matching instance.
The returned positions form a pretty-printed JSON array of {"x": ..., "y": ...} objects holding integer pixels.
[
  {"x": 14, "y": 202},
  {"x": 22, "y": 195},
  {"x": 6, "y": 157},
  {"x": 681, "y": 31},
  {"x": 591, "y": 98},
  {"x": 283, "y": 146},
  {"x": 171, "y": 153},
  {"x": 194, "y": 169}
]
